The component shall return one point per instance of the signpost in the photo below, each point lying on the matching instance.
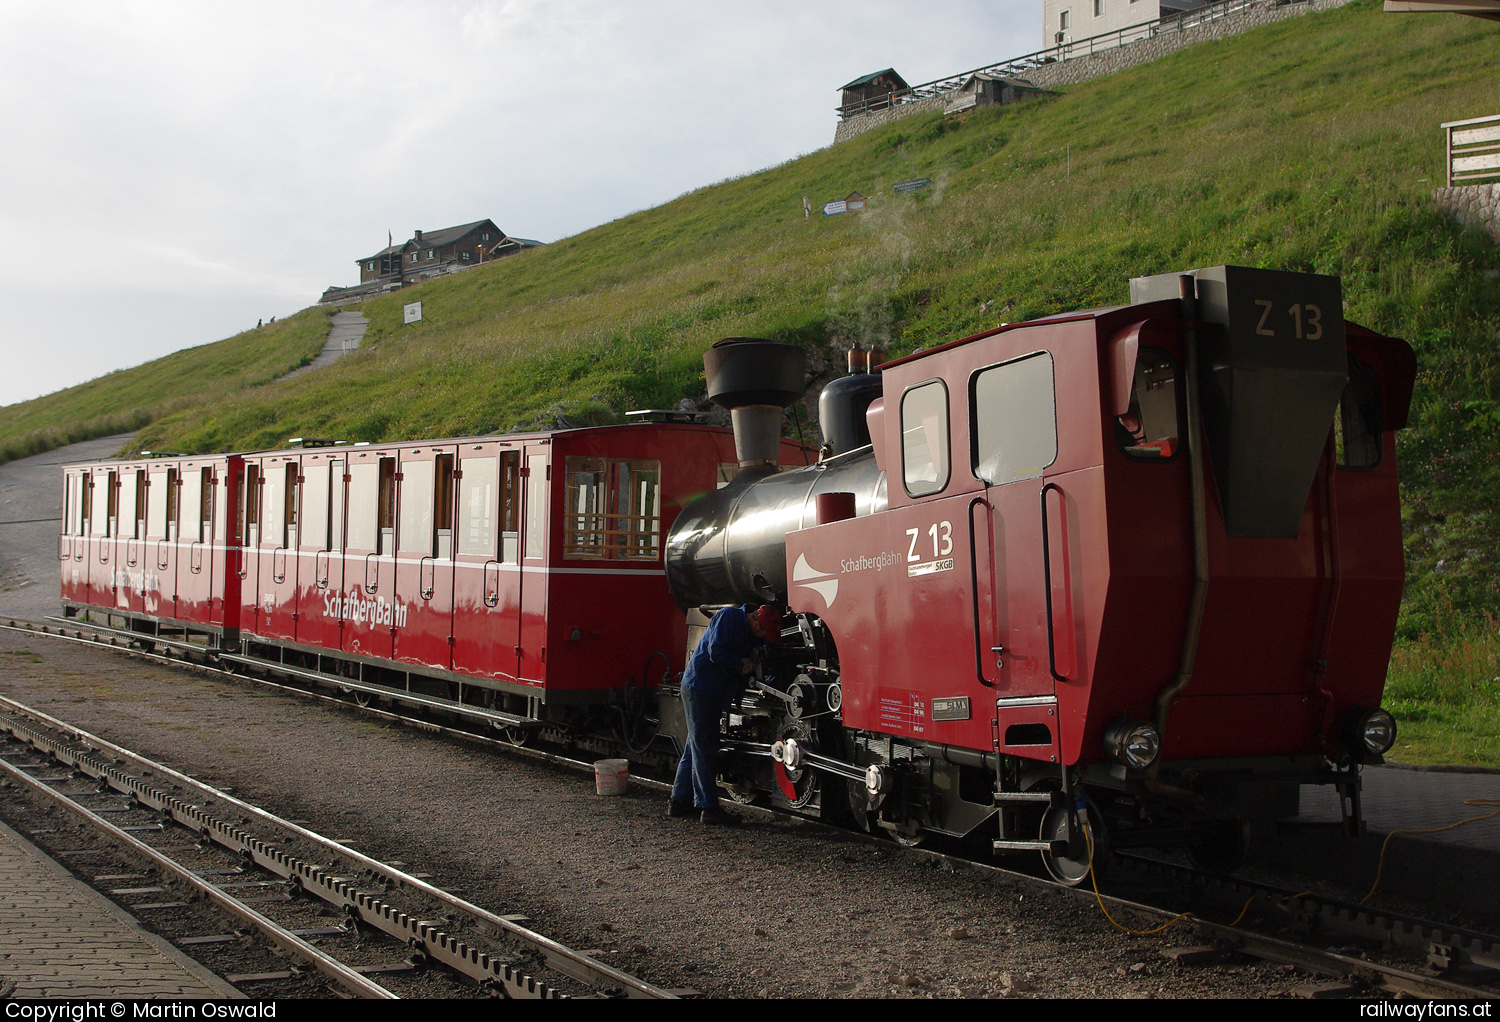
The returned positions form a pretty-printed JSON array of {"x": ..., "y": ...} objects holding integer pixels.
[
  {"x": 411, "y": 313},
  {"x": 904, "y": 187},
  {"x": 834, "y": 208}
]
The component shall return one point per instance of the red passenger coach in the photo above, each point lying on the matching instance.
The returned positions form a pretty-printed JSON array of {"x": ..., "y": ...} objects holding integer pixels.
[
  {"x": 504, "y": 575},
  {"x": 144, "y": 546}
]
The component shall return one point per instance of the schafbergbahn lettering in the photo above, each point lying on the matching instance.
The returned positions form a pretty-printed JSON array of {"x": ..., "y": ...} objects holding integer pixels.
[
  {"x": 361, "y": 609},
  {"x": 140, "y": 580}
]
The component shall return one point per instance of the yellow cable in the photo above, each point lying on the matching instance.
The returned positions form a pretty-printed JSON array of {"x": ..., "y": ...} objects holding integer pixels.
[
  {"x": 1094, "y": 877},
  {"x": 1380, "y": 867}
]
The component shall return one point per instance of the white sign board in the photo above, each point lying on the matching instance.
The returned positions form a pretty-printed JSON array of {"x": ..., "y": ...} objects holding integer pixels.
[
  {"x": 412, "y": 312},
  {"x": 834, "y": 208}
]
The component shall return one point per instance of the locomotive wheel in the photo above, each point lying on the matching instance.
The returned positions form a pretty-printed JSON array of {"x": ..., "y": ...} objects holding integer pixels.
[
  {"x": 916, "y": 840},
  {"x": 360, "y": 698},
  {"x": 1064, "y": 870},
  {"x": 517, "y": 736},
  {"x": 1220, "y": 846},
  {"x": 740, "y": 792},
  {"x": 804, "y": 781}
]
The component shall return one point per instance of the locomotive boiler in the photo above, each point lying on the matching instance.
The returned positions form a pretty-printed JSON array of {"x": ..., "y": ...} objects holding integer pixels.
[{"x": 1122, "y": 576}]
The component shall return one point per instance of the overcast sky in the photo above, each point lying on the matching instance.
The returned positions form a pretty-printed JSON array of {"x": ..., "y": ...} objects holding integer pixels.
[{"x": 172, "y": 172}]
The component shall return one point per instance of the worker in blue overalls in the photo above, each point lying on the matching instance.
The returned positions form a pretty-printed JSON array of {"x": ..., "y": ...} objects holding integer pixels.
[{"x": 716, "y": 676}]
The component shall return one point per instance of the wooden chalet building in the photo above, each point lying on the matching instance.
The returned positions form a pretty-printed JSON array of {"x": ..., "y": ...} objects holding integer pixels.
[
  {"x": 872, "y": 92},
  {"x": 432, "y": 252}
]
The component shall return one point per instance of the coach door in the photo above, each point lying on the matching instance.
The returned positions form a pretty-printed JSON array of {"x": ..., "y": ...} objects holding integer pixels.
[
  {"x": 105, "y": 539},
  {"x": 159, "y": 594},
  {"x": 536, "y": 516},
  {"x": 195, "y": 589},
  {"x": 320, "y": 540},
  {"x": 487, "y": 562},
  {"x": 370, "y": 568},
  {"x": 424, "y": 562},
  {"x": 1024, "y": 640},
  {"x": 131, "y": 576},
  {"x": 72, "y": 550},
  {"x": 276, "y": 591}
]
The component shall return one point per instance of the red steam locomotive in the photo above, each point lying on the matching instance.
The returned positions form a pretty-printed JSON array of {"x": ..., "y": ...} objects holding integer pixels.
[{"x": 1123, "y": 576}]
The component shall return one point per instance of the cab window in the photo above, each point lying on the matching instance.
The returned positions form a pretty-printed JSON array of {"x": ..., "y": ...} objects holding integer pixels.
[
  {"x": 1014, "y": 416},
  {"x": 1359, "y": 425},
  {"x": 1149, "y": 430},
  {"x": 924, "y": 438}
]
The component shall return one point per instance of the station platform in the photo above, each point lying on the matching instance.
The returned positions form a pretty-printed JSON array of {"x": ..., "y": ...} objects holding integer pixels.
[
  {"x": 1458, "y": 867},
  {"x": 59, "y": 938}
]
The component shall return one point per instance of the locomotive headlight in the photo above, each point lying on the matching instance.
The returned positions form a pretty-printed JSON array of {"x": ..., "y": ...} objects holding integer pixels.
[
  {"x": 1375, "y": 730},
  {"x": 1135, "y": 743}
]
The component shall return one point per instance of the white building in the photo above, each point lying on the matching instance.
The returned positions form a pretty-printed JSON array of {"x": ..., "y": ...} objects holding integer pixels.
[{"x": 1064, "y": 21}]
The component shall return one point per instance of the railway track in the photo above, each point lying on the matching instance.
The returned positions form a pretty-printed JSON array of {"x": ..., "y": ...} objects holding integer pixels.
[
  {"x": 428, "y": 926},
  {"x": 1456, "y": 952}
]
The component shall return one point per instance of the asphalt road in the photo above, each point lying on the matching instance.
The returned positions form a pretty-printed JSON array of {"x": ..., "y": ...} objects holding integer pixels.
[{"x": 30, "y": 509}]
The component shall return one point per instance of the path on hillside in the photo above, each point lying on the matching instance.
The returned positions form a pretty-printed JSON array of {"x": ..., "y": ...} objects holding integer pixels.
[
  {"x": 348, "y": 330},
  {"x": 30, "y": 513}
]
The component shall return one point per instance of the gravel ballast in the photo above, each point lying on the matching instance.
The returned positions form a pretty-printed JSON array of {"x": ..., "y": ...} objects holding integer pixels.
[{"x": 774, "y": 908}]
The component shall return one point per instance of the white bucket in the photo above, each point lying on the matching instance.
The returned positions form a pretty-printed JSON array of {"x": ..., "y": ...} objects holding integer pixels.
[{"x": 611, "y": 776}]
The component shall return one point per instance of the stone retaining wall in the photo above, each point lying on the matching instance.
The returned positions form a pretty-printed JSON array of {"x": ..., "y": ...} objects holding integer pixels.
[
  {"x": 1475, "y": 206},
  {"x": 1082, "y": 69}
]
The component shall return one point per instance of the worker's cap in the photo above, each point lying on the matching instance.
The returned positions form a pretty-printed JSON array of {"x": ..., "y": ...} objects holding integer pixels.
[{"x": 770, "y": 622}]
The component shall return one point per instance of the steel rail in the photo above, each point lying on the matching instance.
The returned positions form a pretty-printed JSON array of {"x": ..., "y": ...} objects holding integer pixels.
[
  {"x": 368, "y": 907},
  {"x": 1309, "y": 909},
  {"x": 283, "y": 938},
  {"x": 1313, "y": 959},
  {"x": 1366, "y": 922}
]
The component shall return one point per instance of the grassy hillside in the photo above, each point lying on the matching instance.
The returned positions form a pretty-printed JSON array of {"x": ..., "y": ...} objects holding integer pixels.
[
  {"x": 1312, "y": 145},
  {"x": 183, "y": 382}
]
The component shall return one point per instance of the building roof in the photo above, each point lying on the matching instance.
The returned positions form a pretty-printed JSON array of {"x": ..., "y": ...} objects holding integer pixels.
[
  {"x": 451, "y": 234},
  {"x": 867, "y": 79},
  {"x": 434, "y": 239}
]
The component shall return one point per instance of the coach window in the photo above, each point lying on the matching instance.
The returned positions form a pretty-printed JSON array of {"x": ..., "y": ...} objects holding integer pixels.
[
  {"x": 127, "y": 506},
  {"x": 290, "y": 514},
  {"x": 249, "y": 515},
  {"x": 364, "y": 496},
  {"x": 174, "y": 504},
  {"x": 191, "y": 528},
  {"x": 442, "y": 507},
  {"x": 476, "y": 507},
  {"x": 416, "y": 507},
  {"x": 1014, "y": 418},
  {"x": 273, "y": 507},
  {"x": 1149, "y": 430},
  {"x": 156, "y": 506},
  {"x": 338, "y": 489},
  {"x": 104, "y": 505},
  {"x": 536, "y": 505},
  {"x": 510, "y": 507},
  {"x": 70, "y": 504},
  {"x": 924, "y": 438},
  {"x": 138, "y": 530},
  {"x": 387, "y": 507},
  {"x": 205, "y": 504},
  {"x": 313, "y": 533},
  {"x": 613, "y": 509},
  {"x": 1358, "y": 428}
]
